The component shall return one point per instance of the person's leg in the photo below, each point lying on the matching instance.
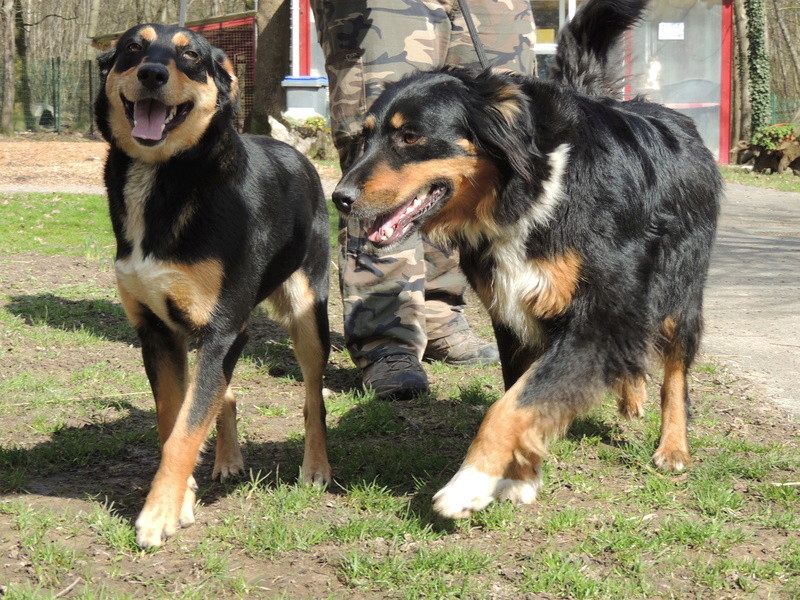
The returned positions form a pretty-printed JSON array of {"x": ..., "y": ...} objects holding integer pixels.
[
  {"x": 365, "y": 44},
  {"x": 505, "y": 27},
  {"x": 507, "y": 31}
]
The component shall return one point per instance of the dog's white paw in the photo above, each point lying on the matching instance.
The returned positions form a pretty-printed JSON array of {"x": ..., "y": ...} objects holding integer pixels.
[
  {"x": 519, "y": 491},
  {"x": 155, "y": 524},
  {"x": 470, "y": 490},
  {"x": 161, "y": 516}
]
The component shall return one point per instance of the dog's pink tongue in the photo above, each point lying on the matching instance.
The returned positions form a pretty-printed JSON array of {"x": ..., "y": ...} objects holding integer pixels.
[{"x": 148, "y": 119}]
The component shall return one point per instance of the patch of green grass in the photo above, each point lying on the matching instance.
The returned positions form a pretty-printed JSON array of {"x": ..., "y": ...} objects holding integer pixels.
[
  {"x": 786, "y": 182},
  {"x": 564, "y": 574},
  {"x": 422, "y": 574},
  {"x": 117, "y": 532},
  {"x": 69, "y": 224}
]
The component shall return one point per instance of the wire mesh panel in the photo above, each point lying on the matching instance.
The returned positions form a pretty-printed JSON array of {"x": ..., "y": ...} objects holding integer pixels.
[
  {"x": 55, "y": 94},
  {"x": 237, "y": 38}
]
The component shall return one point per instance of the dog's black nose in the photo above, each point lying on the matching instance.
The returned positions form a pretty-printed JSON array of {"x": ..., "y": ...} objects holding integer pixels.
[
  {"x": 153, "y": 76},
  {"x": 344, "y": 196}
]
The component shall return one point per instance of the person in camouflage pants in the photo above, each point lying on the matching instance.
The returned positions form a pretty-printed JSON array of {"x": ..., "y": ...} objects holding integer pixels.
[{"x": 408, "y": 302}]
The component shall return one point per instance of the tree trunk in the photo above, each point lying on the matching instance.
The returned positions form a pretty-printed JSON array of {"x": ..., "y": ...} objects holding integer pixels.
[
  {"x": 787, "y": 38},
  {"x": 272, "y": 63},
  {"x": 7, "y": 35},
  {"x": 742, "y": 125},
  {"x": 21, "y": 43}
]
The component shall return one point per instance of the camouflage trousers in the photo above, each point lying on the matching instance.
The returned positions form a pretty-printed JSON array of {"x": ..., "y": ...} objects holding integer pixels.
[{"x": 395, "y": 302}]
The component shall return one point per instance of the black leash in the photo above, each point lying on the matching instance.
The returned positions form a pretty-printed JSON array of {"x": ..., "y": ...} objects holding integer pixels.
[{"x": 473, "y": 33}]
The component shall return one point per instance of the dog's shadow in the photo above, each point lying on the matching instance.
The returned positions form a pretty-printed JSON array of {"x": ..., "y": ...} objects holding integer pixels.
[
  {"x": 371, "y": 442},
  {"x": 410, "y": 448}
]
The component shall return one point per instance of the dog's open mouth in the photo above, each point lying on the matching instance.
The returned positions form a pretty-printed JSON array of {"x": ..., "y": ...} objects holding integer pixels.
[
  {"x": 392, "y": 226},
  {"x": 152, "y": 120}
]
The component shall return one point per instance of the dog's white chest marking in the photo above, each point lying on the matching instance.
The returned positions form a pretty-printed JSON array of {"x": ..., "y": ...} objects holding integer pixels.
[
  {"x": 150, "y": 281},
  {"x": 515, "y": 279}
]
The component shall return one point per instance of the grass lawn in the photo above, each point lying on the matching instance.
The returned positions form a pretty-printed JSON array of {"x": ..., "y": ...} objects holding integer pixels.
[
  {"x": 786, "y": 182},
  {"x": 78, "y": 449}
]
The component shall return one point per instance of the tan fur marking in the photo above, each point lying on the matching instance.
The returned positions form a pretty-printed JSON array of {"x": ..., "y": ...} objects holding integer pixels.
[
  {"x": 369, "y": 122},
  {"x": 472, "y": 205},
  {"x": 131, "y": 306},
  {"x": 170, "y": 391},
  {"x": 507, "y": 102},
  {"x": 228, "y": 455},
  {"x": 397, "y": 120},
  {"x": 467, "y": 146},
  {"x": 673, "y": 449},
  {"x": 196, "y": 294},
  {"x": 512, "y": 439},
  {"x": 294, "y": 303},
  {"x": 632, "y": 395},
  {"x": 563, "y": 274},
  {"x": 148, "y": 33},
  {"x": 180, "y": 39},
  {"x": 228, "y": 66}
]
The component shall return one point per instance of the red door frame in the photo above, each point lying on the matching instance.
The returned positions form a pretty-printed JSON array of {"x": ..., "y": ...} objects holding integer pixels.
[{"x": 725, "y": 90}]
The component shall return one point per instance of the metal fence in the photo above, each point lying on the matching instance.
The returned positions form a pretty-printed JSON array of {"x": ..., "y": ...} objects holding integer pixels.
[
  {"x": 58, "y": 95},
  {"x": 785, "y": 110}
]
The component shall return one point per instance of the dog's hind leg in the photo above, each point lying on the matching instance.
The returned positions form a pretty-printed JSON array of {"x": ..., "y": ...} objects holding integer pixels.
[
  {"x": 631, "y": 397},
  {"x": 170, "y": 501},
  {"x": 228, "y": 460},
  {"x": 504, "y": 460},
  {"x": 678, "y": 351},
  {"x": 303, "y": 311}
]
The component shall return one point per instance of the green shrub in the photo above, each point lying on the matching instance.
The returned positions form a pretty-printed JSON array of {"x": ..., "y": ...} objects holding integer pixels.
[{"x": 771, "y": 136}]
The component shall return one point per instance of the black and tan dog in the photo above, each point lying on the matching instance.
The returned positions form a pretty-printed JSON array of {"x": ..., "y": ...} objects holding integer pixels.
[
  {"x": 208, "y": 224},
  {"x": 585, "y": 224}
]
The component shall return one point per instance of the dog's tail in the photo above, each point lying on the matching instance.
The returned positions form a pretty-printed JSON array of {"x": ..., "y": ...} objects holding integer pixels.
[{"x": 587, "y": 58}]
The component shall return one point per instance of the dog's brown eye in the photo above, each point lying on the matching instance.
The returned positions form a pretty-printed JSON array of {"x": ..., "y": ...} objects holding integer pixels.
[
  {"x": 191, "y": 54},
  {"x": 410, "y": 138},
  {"x": 134, "y": 47}
]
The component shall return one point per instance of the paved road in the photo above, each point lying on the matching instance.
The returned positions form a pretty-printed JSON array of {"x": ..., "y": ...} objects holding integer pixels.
[{"x": 752, "y": 304}]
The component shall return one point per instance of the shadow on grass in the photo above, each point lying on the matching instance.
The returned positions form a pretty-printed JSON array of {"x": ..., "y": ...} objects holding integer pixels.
[
  {"x": 269, "y": 343},
  {"x": 101, "y": 318},
  {"x": 408, "y": 448}
]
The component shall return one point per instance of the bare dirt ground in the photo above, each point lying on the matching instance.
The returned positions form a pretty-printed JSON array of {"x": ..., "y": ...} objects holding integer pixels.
[{"x": 71, "y": 164}]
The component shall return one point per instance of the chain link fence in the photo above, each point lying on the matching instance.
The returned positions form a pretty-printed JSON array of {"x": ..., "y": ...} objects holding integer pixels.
[
  {"x": 57, "y": 95},
  {"x": 785, "y": 110}
]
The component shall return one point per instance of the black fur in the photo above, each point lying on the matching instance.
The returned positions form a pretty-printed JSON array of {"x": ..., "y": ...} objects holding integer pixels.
[
  {"x": 247, "y": 210},
  {"x": 637, "y": 210}
]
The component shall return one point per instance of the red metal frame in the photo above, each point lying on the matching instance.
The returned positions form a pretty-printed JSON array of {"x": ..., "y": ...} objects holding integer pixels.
[
  {"x": 305, "y": 38},
  {"x": 223, "y": 24},
  {"x": 725, "y": 83}
]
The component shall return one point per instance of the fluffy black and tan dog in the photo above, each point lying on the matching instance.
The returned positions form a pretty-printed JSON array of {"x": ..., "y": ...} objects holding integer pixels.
[
  {"x": 585, "y": 224},
  {"x": 208, "y": 224}
]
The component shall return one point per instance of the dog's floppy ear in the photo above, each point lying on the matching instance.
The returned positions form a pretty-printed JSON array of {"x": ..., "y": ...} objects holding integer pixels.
[
  {"x": 105, "y": 61},
  {"x": 225, "y": 79},
  {"x": 501, "y": 122}
]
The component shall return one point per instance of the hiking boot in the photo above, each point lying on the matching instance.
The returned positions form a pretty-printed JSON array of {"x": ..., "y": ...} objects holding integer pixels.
[
  {"x": 395, "y": 377},
  {"x": 462, "y": 348}
]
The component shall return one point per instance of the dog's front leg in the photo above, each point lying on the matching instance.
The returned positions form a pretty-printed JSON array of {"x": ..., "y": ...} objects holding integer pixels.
[
  {"x": 504, "y": 460},
  {"x": 170, "y": 502}
]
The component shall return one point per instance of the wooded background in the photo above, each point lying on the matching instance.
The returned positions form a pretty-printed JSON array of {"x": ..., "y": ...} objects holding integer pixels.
[
  {"x": 37, "y": 32},
  {"x": 48, "y": 42}
]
